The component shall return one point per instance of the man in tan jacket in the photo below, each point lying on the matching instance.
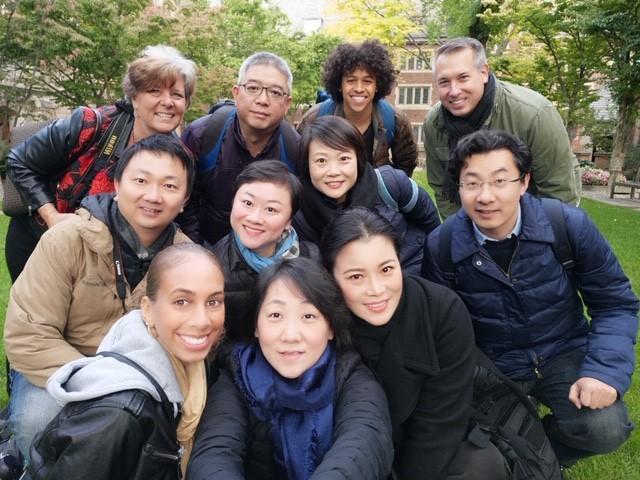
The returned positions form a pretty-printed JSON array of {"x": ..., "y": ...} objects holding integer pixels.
[{"x": 87, "y": 272}]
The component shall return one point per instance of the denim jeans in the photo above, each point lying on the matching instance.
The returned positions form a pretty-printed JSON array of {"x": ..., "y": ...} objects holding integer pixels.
[
  {"x": 576, "y": 433},
  {"x": 31, "y": 409}
]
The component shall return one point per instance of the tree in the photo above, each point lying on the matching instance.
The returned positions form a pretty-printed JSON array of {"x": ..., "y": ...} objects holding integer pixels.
[
  {"x": 453, "y": 18},
  {"x": 617, "y": 22},
  {"x": 57, "y": 49},
  {"x": 79, "y": 60},
  {"x": 389, "y": 21},
  {"x": 545, "y": 46},
  {"x": 398, "y": 24}
]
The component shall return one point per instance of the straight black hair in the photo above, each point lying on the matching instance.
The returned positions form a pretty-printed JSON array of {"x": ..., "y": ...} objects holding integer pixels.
[
  {"x": 334, "y": 132},
  {"x": 159, "y": 143},
  {"x": 485, "y": 141},
  {"x": 317, "y": 286},
  {"x": 271, "y": 171},
  {"x": 356, "y": 223}
]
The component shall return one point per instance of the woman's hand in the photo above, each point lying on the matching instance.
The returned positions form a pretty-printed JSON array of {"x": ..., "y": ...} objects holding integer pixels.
[{"x": 51, "y": 216}]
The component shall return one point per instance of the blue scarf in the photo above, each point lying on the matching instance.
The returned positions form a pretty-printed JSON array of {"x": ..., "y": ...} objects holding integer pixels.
[
  {"x": 286, "y": 248},
  {"x": 300, "y": 411}
]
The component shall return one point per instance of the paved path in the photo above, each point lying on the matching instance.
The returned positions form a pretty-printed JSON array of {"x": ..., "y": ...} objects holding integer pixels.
[{"x": 601, "y": 194}]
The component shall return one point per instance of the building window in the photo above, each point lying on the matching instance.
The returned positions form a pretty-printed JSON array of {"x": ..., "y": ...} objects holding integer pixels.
[
  {"x": 414, "y": 95},
  {"x": 414, "y": 63}
]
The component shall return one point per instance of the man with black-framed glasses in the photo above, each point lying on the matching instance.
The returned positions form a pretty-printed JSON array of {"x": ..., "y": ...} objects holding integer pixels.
[
  {"x": 233, "y": 135},
  {"x": 504, "y": 254}
]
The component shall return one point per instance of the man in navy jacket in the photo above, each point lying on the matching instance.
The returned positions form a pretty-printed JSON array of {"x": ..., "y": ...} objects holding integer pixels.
[{"x": 527, "y": 308}]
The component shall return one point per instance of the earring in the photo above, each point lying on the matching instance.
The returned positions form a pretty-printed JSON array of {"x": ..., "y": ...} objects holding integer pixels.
[
  {"x": 152, "y": 330},
  {"x": 115, "y": 198}
]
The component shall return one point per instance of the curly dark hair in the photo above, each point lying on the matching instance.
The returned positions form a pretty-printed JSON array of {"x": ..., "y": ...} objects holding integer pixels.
[{"x": 370, "y": 55}]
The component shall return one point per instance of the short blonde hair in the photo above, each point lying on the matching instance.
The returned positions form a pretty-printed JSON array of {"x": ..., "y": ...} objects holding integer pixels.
[{"x": 159, "y": 65}]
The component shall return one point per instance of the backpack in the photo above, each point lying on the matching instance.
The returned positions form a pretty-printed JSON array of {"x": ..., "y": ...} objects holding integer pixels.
[
  {"x": 93, "y": 154},
  {"x": 561, "y": 245},
  {"x": 328, "y": 107},
  {"x": 388, "y": 197},
  {"x": 505, "y": 416},
  {"x": 221, "y": 116}
]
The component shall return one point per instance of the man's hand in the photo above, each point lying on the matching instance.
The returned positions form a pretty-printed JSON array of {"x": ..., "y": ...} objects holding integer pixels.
[{"x": 592, "y": 393}]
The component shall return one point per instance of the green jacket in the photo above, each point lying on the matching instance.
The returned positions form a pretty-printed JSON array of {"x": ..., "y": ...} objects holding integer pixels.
[{"x": 531, "y": 117}]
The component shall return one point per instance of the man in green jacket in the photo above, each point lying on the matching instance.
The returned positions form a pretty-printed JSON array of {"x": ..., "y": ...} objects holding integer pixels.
[{"x": 472, "y": 98}]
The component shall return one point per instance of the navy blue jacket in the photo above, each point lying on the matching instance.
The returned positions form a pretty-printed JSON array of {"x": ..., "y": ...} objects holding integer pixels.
[{"x": 534, "y": 313}]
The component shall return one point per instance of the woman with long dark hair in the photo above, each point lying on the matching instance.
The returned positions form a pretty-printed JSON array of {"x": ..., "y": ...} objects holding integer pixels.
[{"x": 418, "y": 339}]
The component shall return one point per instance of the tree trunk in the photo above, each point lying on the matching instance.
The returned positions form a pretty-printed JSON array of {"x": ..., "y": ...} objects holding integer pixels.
[{"x": 624, "y": 131}]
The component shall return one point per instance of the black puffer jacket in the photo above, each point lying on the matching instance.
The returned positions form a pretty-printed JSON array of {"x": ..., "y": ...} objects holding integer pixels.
[
  {"x": 132, "y": 439},
  {"x": 239, "y": 286},
  {"x": 232, "y": 444}
]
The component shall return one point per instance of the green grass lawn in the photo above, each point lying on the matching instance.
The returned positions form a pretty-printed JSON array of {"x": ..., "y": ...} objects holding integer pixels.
[{"x": 621, "y": 226}]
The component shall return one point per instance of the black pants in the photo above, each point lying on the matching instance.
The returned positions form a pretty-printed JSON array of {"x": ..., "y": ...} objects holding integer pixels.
[{"x": 23, "y": 234}]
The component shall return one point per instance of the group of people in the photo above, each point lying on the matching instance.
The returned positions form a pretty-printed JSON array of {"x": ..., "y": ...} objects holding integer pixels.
[{"x": 252, "y": 301}]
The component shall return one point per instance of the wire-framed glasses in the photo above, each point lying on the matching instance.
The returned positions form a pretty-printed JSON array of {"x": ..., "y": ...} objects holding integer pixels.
[{"x": 255, "y": 90}]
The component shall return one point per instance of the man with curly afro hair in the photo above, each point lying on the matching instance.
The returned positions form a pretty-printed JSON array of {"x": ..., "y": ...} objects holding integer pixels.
[{"x": 358, "y": 77}]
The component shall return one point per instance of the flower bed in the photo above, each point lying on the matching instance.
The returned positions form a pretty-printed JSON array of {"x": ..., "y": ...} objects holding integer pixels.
[{"x": 596, "y": 176}]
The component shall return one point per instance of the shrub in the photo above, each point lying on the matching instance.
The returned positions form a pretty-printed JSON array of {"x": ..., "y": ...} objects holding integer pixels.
[{"x": 595, "y": 176}]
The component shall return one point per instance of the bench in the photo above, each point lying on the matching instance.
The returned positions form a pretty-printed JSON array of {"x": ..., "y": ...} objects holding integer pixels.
[{"x": 631, "y": 184}]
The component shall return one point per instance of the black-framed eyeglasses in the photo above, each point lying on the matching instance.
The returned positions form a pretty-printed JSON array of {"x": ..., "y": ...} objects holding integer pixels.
[
  {"x": 496, "y": 184},
  {"x": 255, "y": 90}
]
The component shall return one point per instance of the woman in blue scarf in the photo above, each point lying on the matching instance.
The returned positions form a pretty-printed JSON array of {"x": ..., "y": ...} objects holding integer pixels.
[
  {"x": 296, "y": 403},
  {"x": 266, "y": 197}
]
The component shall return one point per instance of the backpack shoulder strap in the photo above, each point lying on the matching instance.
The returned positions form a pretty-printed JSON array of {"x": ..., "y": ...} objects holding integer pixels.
[
  {"x": 388, "y": 119},
  {"x": 214, "y": 132},
  {"x": 289, "y": 146},
  {"x": 327, "y": 107},
  {"x": 388, "y": 189},
  {"x": 561, "y": 244},
  {"x": 444, "y": 253},
  {"x": 167, "y": 406},
  {"x": 485, "y": 362}
]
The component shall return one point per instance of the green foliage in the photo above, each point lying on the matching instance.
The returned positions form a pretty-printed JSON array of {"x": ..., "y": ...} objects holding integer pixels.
[
  {"x": 632, "y": 162},
  {"x": 617, "y": 22},
  {"x": 601, "y": 132},
  {"x": 544, "y": 46},
  {"x": 306, "y": 58},
  {"x": 390, "y": 21},
  {"x": 67, "y": 54},
  {"x": 58, "y": 49},
  {"x": 452, "y": 18}
]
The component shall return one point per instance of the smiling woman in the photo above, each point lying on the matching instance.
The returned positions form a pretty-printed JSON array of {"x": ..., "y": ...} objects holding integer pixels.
[
  {"x": 296, "y": 403},
  {"x": 266, "y": 197},
  {"x": 151, "y": 358},
  {"x": 335, "y": 175},
  {"x": 418, "y": 339}
]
